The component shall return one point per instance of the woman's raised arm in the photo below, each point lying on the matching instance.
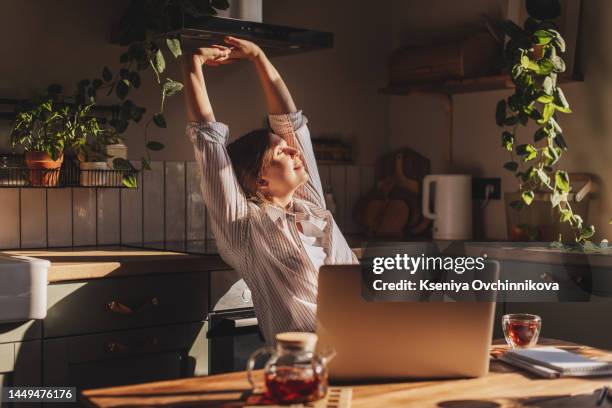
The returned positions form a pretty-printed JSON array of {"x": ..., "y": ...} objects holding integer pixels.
[
  {"x": 278, "y": 97},
  {"x": 284, "y": 118},
  {"x": 223, "y": 197},
  {"x": 199, "y": 108}
]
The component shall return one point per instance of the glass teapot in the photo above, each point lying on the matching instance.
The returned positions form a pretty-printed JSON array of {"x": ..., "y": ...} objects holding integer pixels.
[{"x": 295, "y": 372}]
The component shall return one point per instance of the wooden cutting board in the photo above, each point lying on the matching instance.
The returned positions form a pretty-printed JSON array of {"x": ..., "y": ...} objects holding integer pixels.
[{"x": 393, "y": 208}]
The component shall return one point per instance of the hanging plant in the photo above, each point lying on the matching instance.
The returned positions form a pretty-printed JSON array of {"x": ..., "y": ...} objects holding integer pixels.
[
  {"x": 139, "y": 30},
  {"x": 533, "y": 58}
]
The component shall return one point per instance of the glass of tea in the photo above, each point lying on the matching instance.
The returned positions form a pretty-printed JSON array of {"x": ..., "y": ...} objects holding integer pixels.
[{"x": 521, "y": 330}]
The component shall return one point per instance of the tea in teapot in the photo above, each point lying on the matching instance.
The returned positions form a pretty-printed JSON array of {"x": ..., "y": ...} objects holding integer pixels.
[{"x": 294, "y": 373}]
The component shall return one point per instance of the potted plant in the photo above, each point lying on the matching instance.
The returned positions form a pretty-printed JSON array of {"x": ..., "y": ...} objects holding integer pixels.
[
  {"x": 533, "y": 58},
  {"x": 93, "y": 164},
  {"x": 44, "y": 128}
]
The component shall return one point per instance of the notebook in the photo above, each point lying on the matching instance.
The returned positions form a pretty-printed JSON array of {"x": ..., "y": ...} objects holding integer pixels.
[{"x": 553, "y": 362}]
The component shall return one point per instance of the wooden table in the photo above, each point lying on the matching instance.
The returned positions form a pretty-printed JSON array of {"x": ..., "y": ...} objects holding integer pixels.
[{"x": 502, "y": 387}]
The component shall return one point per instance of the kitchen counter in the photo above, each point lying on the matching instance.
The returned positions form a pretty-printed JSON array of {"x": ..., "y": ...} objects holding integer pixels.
[
  {"x": 75, "y": 263},
  {"x": 94, "y": 262},
  {"x": 504, "y": 386},
  {"x": 531, "y": 252},
  {"x": 540, "y": 253}
]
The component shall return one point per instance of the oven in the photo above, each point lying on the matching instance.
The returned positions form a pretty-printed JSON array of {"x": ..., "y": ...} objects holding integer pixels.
[{"x": 233, "y": 333}]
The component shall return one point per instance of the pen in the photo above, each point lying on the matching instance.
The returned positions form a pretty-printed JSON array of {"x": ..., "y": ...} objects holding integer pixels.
[{"x": 602, "y": 395}]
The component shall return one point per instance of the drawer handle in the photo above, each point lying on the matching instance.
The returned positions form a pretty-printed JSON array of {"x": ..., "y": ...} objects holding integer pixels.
[
  {"x": 115, "y": 347},
  {"x": 118, "y": 307}
]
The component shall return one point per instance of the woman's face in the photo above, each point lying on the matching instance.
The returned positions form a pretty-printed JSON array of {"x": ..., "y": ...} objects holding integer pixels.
[{"x": 285, "y": 172}]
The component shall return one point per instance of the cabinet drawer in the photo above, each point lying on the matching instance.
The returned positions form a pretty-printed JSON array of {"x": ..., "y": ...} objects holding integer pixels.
[
  {"x": 66, "y": 356},
  {"x": 129, "y": 370},
  {"x": 121, "y": 303}
]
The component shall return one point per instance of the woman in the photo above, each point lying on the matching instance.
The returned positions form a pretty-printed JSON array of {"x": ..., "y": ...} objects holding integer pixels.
[{"x": 264, "y": 195}]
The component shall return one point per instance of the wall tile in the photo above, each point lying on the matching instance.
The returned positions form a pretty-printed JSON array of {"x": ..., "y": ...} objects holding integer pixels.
[
  {"x": 59, "y": 217},
  {"x": 131, "y": 212},
  {"x": 338, "y": 189},
  {"x": 353, "y": 192},
  {"x": 173, "y": 208},
  {"x": 368, "y": 182},
  {"x": 196, "y": 212},
  {"x": 84, "y": 216},
  {"x": 33, "y": 218},
  {"x": 9, "y": 217},
  {"x": 153, "y": 203},
  {"x": 108, "y": 216},
  {"x": 324, "y": 174},
  {"x": 175, "y": 190}
]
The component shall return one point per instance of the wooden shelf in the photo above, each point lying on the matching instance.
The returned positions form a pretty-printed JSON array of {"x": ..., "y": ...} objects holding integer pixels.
[{"x": 462, "y": 86}]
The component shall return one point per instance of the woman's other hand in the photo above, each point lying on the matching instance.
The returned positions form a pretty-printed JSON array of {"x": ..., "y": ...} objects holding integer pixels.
[
  {"x": 243, "y": 49},
  {"x": 214, "y": 55}
]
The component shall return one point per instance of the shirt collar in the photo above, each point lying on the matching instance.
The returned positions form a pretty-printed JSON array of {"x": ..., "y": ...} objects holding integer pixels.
[{"x": 301, "y": 211}]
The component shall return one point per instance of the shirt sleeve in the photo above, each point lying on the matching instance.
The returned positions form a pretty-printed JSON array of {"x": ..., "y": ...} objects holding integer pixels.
[
  {"x": 223, "y": 196},
  {"x": 292, "y": 128}
]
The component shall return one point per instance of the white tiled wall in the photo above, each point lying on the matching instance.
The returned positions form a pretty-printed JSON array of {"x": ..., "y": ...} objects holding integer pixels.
[
  {"x": 131, "y": 214},
  {"x": 196, "y": 213},
  {"x": 167, "y": 205},
  {"x": 176, "y": 212},
  {"x": 347, "y": 184}
]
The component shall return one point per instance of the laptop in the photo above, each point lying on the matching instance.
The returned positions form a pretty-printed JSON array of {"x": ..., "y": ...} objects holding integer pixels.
[{"x": 399, "y": 340}]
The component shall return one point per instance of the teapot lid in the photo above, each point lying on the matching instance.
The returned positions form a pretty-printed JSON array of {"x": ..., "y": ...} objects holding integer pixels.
[{"x": 302, "y": 340}]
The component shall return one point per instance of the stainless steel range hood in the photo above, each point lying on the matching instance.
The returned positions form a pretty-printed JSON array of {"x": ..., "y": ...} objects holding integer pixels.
[{"x": 275, "y": 40}]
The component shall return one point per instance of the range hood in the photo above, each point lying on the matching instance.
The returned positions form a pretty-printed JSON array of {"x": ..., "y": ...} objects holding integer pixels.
[{"x": 275, "y": 40}]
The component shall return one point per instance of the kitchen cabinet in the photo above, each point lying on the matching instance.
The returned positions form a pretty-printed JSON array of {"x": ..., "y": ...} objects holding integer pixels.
[
  {"x": 580, "y": 322},
  {"x": 20, "y": 365},
  {"x": 575, "y": 313},
  {"x": 127, "y": 356},
  {"x": 125, "y": 330},
  {"x": 100, "y": 305},
  {"x": 115, "y": 331}
]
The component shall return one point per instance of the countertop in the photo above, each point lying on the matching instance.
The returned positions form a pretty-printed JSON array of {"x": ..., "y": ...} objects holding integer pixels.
[
  {"x": 529, "y": 252},
  {"x": 504, "y": 386},
  {"x": 539, "y": 252},
  {"x": 91, "y": 262},
  {"x": 75, "y": 263},
  {"x": 95, "y": 262}
]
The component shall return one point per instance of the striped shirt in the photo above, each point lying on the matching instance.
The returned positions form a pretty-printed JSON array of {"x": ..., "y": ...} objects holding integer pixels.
[{"x": 262, "y": 242}]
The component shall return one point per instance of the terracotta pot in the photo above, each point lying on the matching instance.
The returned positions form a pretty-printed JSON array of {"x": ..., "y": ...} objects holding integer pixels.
[{"x": 44, "y": 171}]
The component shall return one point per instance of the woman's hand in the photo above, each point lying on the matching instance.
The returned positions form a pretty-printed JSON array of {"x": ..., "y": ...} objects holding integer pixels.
[
  {"x": 243, "y": 49},
  {"x": 214, "y": 56}
]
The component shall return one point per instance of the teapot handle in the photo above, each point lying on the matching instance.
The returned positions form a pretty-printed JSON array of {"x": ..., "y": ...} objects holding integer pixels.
[
  {"x": 327, "y": 354},
  {"x": 251, "y": 362}
]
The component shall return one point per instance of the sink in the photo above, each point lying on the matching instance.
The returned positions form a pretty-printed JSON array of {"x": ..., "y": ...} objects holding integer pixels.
[{"x": 23, "y": 288}]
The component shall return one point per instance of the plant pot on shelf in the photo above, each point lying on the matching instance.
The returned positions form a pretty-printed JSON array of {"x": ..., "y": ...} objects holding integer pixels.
[
  {"x": 43, "y": 171},
  {"x": 93, "y": 174}
]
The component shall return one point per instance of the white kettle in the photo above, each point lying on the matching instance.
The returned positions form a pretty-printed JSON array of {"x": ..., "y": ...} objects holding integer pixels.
[{"x": 452, "y": 213}]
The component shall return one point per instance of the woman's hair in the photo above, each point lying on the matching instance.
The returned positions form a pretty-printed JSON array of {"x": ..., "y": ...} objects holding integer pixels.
[{"x": 250, "y": 154}]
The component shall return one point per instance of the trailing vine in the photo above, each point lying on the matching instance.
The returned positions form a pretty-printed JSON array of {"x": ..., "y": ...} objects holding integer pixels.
[
  {"x": 141, "y": 30},
  {"x": 532, "y": 56}
]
